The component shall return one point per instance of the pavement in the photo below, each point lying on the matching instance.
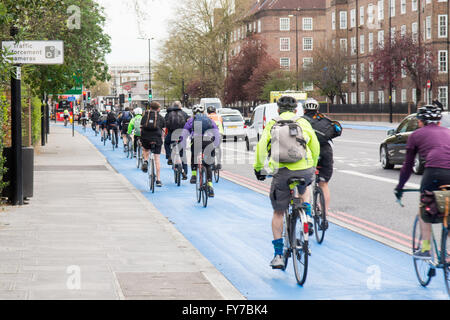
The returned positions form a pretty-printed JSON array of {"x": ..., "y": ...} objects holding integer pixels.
[{"x": 88, "y": 233}]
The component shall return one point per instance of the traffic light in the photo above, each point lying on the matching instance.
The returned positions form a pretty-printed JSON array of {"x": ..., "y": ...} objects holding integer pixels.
[
  {"x": 121, "y": 98},
  {"x": 84, "y": 95},
  {"x": 150, "y": 94},
  {"x": 129, "y": 97},
  {"x": 89, "y": 96},
  {"x": 186, "y": 97}
]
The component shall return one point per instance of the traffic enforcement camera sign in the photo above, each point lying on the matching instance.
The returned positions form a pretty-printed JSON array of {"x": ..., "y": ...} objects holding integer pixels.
[{"x": 35, "y": 52}]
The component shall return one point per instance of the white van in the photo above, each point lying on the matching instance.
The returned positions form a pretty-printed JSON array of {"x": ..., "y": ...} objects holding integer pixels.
[
  {"x": 211, "y": 102},
  {"x": 260, "y": 117}
]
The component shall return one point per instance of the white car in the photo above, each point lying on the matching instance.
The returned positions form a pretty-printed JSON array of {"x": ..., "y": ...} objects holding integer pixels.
[
  {"x": 233, "y": 124},
  {"x": 260, "y": 117}
]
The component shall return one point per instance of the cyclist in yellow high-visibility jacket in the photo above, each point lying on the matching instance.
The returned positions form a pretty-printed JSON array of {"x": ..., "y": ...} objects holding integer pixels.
[{"x": 211, "y": 110}]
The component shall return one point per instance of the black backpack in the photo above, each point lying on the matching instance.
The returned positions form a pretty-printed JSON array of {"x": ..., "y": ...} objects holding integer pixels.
[
  {"x": 111, "y": 118},
  {"x": 150, "y": 121},
  {"x": 325, "y": 128},
  {"x": 205, "y": 122},
  {"x": 175, "y": 120}
]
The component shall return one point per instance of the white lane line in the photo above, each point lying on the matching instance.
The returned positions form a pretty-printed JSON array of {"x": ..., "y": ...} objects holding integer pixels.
[
  {"x": 355, "y": 141},
  {"x": 369, "y": 176}
]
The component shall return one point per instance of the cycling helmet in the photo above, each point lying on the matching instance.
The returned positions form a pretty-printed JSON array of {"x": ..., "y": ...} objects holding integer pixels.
[
  {"x": 198, "y": 109},
  {"x": 211, "y": 109},
  {"x": 429, "y": 113},
  {"x": 138, "y": 111},
  {"x": 287, "y": 103},
  {"x": 311, "y": 104}
]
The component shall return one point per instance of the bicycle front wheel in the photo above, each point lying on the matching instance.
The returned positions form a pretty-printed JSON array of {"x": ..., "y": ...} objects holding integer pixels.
[
  {"x": 151, "y": 175},
  {"x": 422, "y": 267},
  {"x": 300, "y": 250},
  {"x": 320, "y": 219},
  {"x": 205, "y": 188},
  {"x": 198, "y": 186},
  {"x": 216, "y": 175},
  {"x": 445, "y": 256}
]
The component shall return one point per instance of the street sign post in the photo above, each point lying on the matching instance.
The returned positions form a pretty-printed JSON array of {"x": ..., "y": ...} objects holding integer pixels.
[{"x": 25, "y": 52}]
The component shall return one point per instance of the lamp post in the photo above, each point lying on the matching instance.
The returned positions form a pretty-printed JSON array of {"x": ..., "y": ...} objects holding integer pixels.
[
  {"x": 149, "y": 64},
  {"x": 296, "y": 46}
]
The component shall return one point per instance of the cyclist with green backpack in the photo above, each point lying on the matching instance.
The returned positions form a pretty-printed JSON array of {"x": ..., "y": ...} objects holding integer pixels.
[
  {"x": 134, "y": 128},
  {"x": 293, "y": 148}
]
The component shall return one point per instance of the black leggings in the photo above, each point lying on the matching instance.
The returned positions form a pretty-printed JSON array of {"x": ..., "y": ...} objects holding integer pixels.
[{"x": 208, "y": 150}]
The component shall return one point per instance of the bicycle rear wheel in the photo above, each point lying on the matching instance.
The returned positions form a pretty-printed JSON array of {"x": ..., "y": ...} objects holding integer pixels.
[
  {"x": 113, "y": 140},
  {"x": 138, "y": 157},
  {"x": 198, "y": 186},
  {"x": 445, "y": 256},
  {"x": 151, "y": 175},
  {"x": 300, "y": 251},
  {"x": 320, "y": 219},
  {"x": 423, "y": 268},
  {"x": 104, "y": 138},
  {"x": 205, "y": 187}
]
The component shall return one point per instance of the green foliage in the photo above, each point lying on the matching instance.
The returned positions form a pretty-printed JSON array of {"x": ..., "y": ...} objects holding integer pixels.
[
  {"x": 3, "y": 121},
  {"x": 36, "y": 120},
  {"x": 278, "y": 81}
]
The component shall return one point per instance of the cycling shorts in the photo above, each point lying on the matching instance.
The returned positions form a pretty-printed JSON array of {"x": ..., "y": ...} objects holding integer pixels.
[
  {"x": 280, "y": 193},
  {"x": 432, "y": 179},
  {"x": 125, "y": 128},
  {"x": 326, "y": 162},
  {"x": 154, "y": 147}
]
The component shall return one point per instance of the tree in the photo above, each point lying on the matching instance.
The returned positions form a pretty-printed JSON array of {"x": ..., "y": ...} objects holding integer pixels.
[
  {"x": 261, "y": 74},
  {"x": 279, "y": 80},
  {"x": 327, "y": 71}
]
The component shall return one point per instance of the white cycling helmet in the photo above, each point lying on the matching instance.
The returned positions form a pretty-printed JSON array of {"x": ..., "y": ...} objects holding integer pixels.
[
  {"x": 198, "y": 108},
  {"x": 137, "y": 111},
  {"x": 311, "y": 104}
]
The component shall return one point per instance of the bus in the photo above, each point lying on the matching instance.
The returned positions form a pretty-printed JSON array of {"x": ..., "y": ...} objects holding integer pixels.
[
  {"x": 60, "y": 107},
  {"x": 301, "y": 96}
]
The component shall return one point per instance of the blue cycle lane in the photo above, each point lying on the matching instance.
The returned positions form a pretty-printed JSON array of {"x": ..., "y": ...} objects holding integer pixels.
[{"x": 234, "y": 234}]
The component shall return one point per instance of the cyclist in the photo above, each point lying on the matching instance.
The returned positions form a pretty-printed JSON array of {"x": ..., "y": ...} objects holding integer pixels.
[
  {"x": 83, "y": 117},
  {"x": 432, "y": 143},
  {"x": 102, "y": 123},
  {"x": 320, "y": 124},
  {"x": 125, "y": 119},
  {"x": 95, "y": 119},
  {"x": 152, "y": 125},
  {"x": 134, "y": 128},
  {"x": 111, "y": 123},
  {"x": 205, "y": 137},
  {"x": 66, "y": 116},
  {"x": 211, "y": 110},
  {"x": 175, "y": 119},
  {"x": 280, "y": 192}
]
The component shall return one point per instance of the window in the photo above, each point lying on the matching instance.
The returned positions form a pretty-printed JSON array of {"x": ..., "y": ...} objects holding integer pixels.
[
  {"x": 403, "y": 30},
  {"x": 361, "y": 16},
  {"x": 428, "y": 27},
  {"x": 402, "y": 6},
  {"x": 307, "y": 62},
  {"x": 442, "y": 32},
  {"x": 308, "y": 86},
  {"x": 371, "y": 71},
  {"x": 380, "y": 9},
  {"x": 392, "y": 34},
  {"x": 346, "y": 75},
  {"x": 414, "y": 5},
  {"x": 362, "y": 97},
  {"x": 443, "y": 96},
  {"x": 442, "y": 61},
  {"x": 403, "y": 69},
  {"x": 285, "y": 44},
  {"x": 370, "y": 14},
  {"x": 414, "y": 31},
  {"x": 361, "y": 43},
  {"x": 414, "y": 95},
  {"x": 285, "y": 24},
  {"x": 285, "y": 63},
  {"x": 333, "y": 20},
  {"x": 307, "y": 44},
  {"x": 343, "y": 20},
  {"x": 353, "y": 73},
  {"x": 404, "y": 99},
  {"x": 307, "y": 24},
  {"x": 371, "y": 97},
  {"x": 370, "y": 42},
  {"x": 361, "y": 72},
  {"x": 343, "y": 43},
  {"x": 392, "y": 5},
  {"x": 259, "y": 26},
  {"x": 394, "y": 96},
  {"x": 352, "y": 18},
  {"x": 380, "y": 96},
  {"x": 353, "y": 45},
  {"x": 353, "y": 99},
  {"x": 381, "y": 38}
]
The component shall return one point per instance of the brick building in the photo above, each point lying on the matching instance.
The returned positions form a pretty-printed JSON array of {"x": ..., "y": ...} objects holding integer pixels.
[{"x": 286, "y": 27}]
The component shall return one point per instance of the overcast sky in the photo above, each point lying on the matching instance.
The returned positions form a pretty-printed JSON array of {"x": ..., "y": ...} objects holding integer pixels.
[{"x": 123, "y": 28}]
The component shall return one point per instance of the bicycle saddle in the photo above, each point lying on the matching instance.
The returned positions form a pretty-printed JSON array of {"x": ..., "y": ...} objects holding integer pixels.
[{"x": 300, "y": 181}]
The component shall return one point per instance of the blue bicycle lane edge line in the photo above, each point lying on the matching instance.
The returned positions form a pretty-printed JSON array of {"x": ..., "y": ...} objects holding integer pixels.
[{"x": 238, "y": 243}]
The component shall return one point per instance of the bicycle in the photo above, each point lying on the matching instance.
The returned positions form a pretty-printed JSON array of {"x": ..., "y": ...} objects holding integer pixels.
[
  {"x": 84, "y": 123},
  {"x": 440, "y": 258},
  {"x": 113, "y": 138},
  {"x": 319, "y": 210},
  {"x": 296, "y": 233},
  {"x": 177, "y": 165},
  {"x": 129, "y": 147},
  {"x": 104, "y": 136},
  {"x": 151, "y": 172},
  {"x": 215, "y": 169},
  {"x": 139, "y": 154},
  {"x": 201, "y": 186}
]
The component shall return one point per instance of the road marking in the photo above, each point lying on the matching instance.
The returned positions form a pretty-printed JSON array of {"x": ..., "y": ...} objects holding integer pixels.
[
  {"x": 369, "y": 176},
  {"x": 356, "y": 141}
]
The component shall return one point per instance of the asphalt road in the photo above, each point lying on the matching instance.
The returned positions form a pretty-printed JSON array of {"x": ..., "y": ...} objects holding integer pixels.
[{"x": 362, "y": 192}]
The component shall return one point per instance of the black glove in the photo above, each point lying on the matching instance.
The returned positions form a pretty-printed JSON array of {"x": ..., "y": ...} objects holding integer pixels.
[
  {"x": 398, "y": 194},
  {"x": 259, "y": 176}
]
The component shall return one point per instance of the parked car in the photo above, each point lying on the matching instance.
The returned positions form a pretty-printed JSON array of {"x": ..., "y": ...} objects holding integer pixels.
[
  {"x": 260, "y": 117},
  {"x": 393, "y": 148},
  {"x": 233, "y": 124}
]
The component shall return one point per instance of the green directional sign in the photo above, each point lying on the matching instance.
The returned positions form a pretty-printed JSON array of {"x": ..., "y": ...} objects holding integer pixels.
[{"x": 78, "y": 89}]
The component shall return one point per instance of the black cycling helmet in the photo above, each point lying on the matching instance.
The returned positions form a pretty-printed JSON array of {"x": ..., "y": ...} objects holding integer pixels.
[
  {"x": 429, "y": 113},
  {"x": 211, "y": 109},
  {"x": 287, "y": 103}
]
